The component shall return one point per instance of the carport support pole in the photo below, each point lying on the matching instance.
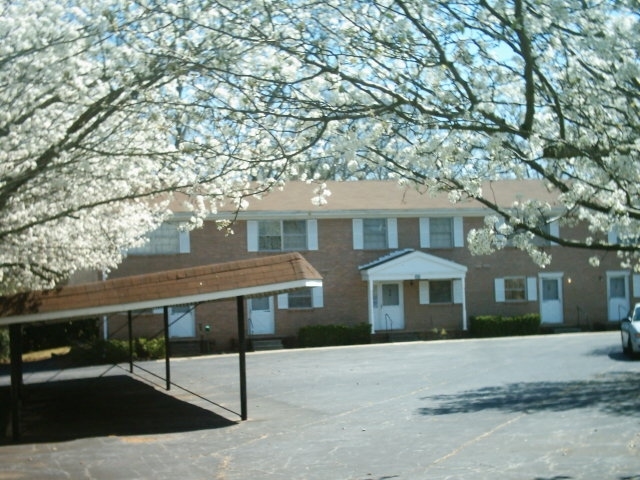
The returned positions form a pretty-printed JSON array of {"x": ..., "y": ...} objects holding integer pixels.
[
  {"x": 242, "y": 351},
  {"x": 15, "y": 346},
  {"x": 167, "y": 349},
  {"x": 130, "y": 325}
]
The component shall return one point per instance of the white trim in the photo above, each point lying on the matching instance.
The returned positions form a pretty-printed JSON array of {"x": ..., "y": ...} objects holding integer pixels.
[
  {"x": 312, "y": 234},
  {"x": 184, "y": 241},
  {"x": 532, "y": 289},
  {"x": 283, "y": 301},
  {"x": 423, "y": 292},
  {"x": 456, "y": 286},
  {"x": 498, "y": 284},
  {"x": 425, "y": 239},
  {"x": 358, "y": 237},
  {"x": 317, "y": 297}
]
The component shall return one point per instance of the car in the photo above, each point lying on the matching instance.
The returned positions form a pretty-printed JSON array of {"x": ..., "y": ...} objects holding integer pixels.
[{"x": 630, "y": 332}]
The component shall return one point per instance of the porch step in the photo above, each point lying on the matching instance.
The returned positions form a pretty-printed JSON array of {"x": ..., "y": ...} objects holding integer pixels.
[
  {"x": 395, "y": 337},
  {"x": 267, "y": 344}
]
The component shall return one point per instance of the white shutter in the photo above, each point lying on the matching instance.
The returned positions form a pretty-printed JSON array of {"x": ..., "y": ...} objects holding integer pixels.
[
  {"x": 532, "y": 289},
  {"x": 283, "y": 301},
  {"x": 392, "y": 232},
  {"x": 252, "y": 235},
  {"x": 425, "y": 241},
  {"x": 358, "y": 243},
  {"x": 423, "y": 291},
  {"x": 312, "y": 234},
  {"x": 612, "y": 236},
  {"x": 317, "y": 297},
  {"x": 554, "y": 230},
  {"x": 636, "y": 286},
  {"x": 457, "y": 291},
  {"x": 185, "y": 242},
  {"x": 499, "y": 286},
  {"x": 458, "y": 232}
]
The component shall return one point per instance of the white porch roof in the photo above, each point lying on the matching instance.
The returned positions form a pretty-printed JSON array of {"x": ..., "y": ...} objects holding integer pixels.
[{"x": 411, "y": 264}]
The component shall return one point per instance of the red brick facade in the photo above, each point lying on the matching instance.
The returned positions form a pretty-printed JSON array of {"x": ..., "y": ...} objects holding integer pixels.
[{"x": 583, "y": 291}]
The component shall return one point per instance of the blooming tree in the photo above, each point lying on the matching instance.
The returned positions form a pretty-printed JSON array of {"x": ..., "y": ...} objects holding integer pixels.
[
  {"x": 452, "y": 94},
  {"x": 111, "y": 108}
]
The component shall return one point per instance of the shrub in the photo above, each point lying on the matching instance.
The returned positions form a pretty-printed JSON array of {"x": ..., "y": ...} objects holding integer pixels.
[
  {"x": 499, "y": 326},
  {"x": 328, "y": 335},
  {"x": 116, "y": 351}
]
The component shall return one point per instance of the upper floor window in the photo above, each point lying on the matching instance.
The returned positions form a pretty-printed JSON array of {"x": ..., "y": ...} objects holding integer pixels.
[
  {"x": 375, "y": 233},
  {"x": 441, "y": 232},
  {"x": 166, "y": 239},
  {"x": 281, "y": 235}
]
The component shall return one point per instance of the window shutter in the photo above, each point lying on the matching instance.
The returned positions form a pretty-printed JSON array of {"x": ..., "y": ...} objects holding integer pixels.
[
  {"x": 358, "y": 242},
  {"x": 636, "y": 286},
  {"x": 423, "y": 292},
  {"x": 317, "y": 300},
  {"x": 424, "y": 233},
  {"x": 392, "y": 232},
  {"x": 283, "y": 301},
  {"x": 458, "y": 232},
  {"x": 457, "y": 291},
  {"x": 252, "y": 235},
  {"x": 185, "y": 242},
  {"x": 612, "y": 236},
  {"x": 312, "y": 234},
  {"x": 499, "y": 286},
  {"x": 554, "y": 229},
  {"x": 532, "y": 289}
]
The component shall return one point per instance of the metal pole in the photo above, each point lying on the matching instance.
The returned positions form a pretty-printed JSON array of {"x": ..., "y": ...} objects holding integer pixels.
[
  {"x": 167, "y": 349},
  {"x": 130, "y": 324},
  {"x": 15, "y": 346},
  {"x": 242, "y": 350}
]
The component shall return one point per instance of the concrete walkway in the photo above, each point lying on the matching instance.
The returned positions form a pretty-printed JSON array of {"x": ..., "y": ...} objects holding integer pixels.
[{"x": 548, "y": 407}]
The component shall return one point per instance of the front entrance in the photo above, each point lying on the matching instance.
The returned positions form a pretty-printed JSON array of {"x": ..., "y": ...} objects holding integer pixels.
[
  {"x": 551, "y": 308},
  {"x": 261, "y": 316},
  {"x": 618, "y": 295},
  {"x": 389, "y": 306},
  {"x": 182, "y": 322}
]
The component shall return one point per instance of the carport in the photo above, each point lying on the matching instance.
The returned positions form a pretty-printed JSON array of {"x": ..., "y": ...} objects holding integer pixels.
[{"x": 196, "y": 285}]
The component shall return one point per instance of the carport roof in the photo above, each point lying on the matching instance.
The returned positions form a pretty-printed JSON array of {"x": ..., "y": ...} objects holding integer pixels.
[{"x": 253, "y": 277}]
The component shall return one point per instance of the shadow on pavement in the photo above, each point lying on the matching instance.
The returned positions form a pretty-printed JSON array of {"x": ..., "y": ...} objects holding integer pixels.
[
  {"x": 97, "y": 407},
  {"x": 615, "y": 393}
]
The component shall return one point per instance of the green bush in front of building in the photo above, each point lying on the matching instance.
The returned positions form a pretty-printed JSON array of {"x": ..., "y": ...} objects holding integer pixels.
[
  {"x": 500, "y": 326},
  {"x": 332, "y": 335},
  {"x": 116, "y": 351}
]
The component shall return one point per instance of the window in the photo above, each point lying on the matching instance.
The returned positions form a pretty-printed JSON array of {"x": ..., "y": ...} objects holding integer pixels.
[
  {"x": 441, "y": 291},
  {"x": 516, "y": 289},
  {"x": 282, "y": 235},
  {"x": 375, "y": 233},
  {"x": 441, "y": 232},
  {"x": 164, "y": 240},
  {"x": 302, "y": 298}
]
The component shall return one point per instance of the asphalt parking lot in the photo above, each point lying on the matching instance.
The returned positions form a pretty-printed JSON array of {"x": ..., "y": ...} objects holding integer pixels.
[{"x": 544, "y": 407}]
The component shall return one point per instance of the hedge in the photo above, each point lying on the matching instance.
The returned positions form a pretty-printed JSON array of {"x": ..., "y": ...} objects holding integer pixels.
[
  {"x": 329, "y": 335},
  {"x": 499, "y": 326},
  {"x": 116, "y": 351}
]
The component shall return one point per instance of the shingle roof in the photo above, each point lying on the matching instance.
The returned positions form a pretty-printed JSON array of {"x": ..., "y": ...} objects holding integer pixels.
[{"x": 255, "y": 276}]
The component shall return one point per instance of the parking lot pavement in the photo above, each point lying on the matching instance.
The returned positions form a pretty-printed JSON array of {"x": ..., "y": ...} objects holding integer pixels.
[{"x": 544, "y": 407}]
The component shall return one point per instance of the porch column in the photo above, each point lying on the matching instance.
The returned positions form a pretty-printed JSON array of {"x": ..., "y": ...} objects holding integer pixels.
[
  {"x": 371, "y": 306},
  {"x": 167, "y": 349},
  {"x": 465, "y": 327}
]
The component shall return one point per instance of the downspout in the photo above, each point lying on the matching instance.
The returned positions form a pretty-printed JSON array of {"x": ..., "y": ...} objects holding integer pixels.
[{"x": 465, "y": 327}]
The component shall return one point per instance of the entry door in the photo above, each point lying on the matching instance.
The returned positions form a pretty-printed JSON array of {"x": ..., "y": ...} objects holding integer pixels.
[
  {"x": 551, "y": 299},
  {"x": 618, "y": 292},
  {"x": 182, "y": 322},
  {"x": 390, "y": 311},
  {"x": 261, "y": 316}
]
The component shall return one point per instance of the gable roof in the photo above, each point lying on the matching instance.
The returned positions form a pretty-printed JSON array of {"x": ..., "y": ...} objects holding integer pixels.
[
  {"x": 411, "y": 265},
  {"x": 253, "y": 277},
  {"x": 381, "y": 198}
]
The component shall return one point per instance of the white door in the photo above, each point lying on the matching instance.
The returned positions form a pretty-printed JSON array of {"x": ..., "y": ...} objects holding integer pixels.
[
  {"x": 390, "y": 309},
  {"x": 261, "y": 316},
  {"x": 182, "y": 322},
  {"x": 618, "y": 293},
  {"x": 551, "y": 299}
]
